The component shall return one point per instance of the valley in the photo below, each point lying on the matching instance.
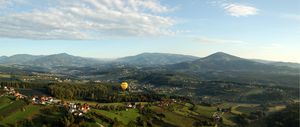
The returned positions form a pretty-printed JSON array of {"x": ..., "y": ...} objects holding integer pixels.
[
  {"x": 218, "y": 90},
  {"x": 149, "y": 63}
]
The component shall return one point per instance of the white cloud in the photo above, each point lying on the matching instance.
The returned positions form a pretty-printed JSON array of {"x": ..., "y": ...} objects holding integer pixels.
[
  {"x": 239, "y": 10},
  {"x": 86, "y": 19},
  {"x": 217, "y": 41}
]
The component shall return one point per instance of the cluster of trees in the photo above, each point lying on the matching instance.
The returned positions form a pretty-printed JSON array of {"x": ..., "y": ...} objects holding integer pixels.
[
  {"x": 236, "y": 92},
  {"x": 256, "y": 115},
  {"x": 267, "y": 96},
  {"x": 163, "y": 78},
  {"x": 99, "y": 92},
  {"x": 79, "y": 91},
  {"x": 288, "y": 117},
  {"x": 20, "y": 84}
]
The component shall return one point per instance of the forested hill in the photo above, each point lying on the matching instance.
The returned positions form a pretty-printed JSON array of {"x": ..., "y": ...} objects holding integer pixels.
[
  {"x": 218, "y": 67},
  {"x": 148, "y": 59},
  {"x": 222, "y": 66}
]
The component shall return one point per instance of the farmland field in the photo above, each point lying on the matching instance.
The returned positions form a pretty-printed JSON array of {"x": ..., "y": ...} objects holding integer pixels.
[
  {"x": 12, "y": 107},
  {"x": 243, "y": 108},
  {"x": 206, "y": 111},
  {"x": 276, "y": 108},
  {"x": 5, "y": 76},
  {"x": 173, "y": 118},
  {"x": 4, "y": 102},
  {"x": 124, "y": 116},
  {"x": 29, "y": 112}
]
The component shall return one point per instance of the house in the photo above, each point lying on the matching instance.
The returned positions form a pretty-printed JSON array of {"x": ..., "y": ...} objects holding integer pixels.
[
  {"x": 34, "y": 99},
  {"x": 18, "y": 95},
  {"x": 49, "y": 100},
  {"x": 131, "y": 105},
  {"x": 77, "y": 113},
  {"x": 42, "y": 100},
  {"x": 78, "y": 109},
  {"x": 6, "y": 88},
  {"x": 10, "y": 90},
  {"x": 166, "y": 102},
  {"x": 85, "y": 108},
  {"x": 56, "y": 101},
  {"x": 72, "y": 107},
  {"x": 45, "y": 99}
]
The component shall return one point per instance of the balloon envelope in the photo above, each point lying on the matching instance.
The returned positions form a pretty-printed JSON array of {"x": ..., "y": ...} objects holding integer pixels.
[{"x": 124, "y": 85}]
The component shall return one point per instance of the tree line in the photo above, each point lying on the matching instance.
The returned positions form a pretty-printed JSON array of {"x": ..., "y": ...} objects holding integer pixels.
[{"x": 99, "y": 92}]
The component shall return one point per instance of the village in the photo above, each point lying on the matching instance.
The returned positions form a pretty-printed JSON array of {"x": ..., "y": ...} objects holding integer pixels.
[{"x": 76, "y": 108}]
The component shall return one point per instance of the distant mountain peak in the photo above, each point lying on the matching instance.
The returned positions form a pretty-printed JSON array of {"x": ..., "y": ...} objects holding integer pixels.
[
  {"x": 154, "y": 54},
  {"x": 63, "y": 54},
  {"x": 221, "y": 56},
  {"x": 220, "y": 53},
  {"x": 150, "y": 59}
]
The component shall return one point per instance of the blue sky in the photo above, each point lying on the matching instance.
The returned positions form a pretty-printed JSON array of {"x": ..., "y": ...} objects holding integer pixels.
[{"x": 267, "y": 29}]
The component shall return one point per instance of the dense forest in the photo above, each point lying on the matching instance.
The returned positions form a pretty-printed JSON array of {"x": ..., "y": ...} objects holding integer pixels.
[
  {"x": 289, "y": 117},
  {"x": 100, "y": 93}
]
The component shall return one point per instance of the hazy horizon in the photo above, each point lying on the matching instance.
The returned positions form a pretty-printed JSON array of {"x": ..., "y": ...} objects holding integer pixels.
[
  {"x": 112, "y": 29},
  {"x": 113, "y": 58}
]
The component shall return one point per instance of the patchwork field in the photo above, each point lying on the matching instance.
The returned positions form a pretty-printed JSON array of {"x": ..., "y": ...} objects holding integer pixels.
[
  {"x": 5, "y": 76},
  {"x": 124, "y": 116},
  {"x": 28, "y": 112},
  {"x": 176, "y": 114},
  {"x": 12, "y": 111}
]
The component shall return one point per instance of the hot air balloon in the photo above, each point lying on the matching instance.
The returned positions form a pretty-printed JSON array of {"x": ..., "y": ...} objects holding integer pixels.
[{"x": 124, "y": 86}]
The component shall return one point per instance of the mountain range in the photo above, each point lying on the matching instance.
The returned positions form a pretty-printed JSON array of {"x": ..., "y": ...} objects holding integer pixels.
[
  {"x": 216, "y": 60},
  {"x": 47, "y": 61},
  {"x": 150, "y": 59},
  {"x": 63, "y": 59},
  {"x": 217, "y": 66},
  {"x": 225, "y": 62}
]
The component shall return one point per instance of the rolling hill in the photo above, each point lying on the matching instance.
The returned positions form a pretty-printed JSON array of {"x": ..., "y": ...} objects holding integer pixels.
[
  {"x": 222, "y": 66},
  {"x": 225, "y": 62},
  {"x": 279, "y": 63},
  {"x": 150, "y": 59},
  {"x": 18, "y": 59},
  {"x": 218, "y": 66},
  {"x": 62, "y": 59},
  {"x": 47, "y": 61}
]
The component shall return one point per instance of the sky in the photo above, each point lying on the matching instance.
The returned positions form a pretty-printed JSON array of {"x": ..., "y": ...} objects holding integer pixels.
[{"x": 259, "y": 29}]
